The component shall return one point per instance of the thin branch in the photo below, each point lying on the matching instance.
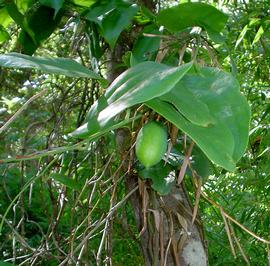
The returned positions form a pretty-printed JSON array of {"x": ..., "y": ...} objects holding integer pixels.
[
  {"x": 234, "y": 221},
  {"x": 12, "y": 118}
]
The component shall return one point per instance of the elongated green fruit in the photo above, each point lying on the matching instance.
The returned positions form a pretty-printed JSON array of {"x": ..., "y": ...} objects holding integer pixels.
[{"x": 151, "y": 143}]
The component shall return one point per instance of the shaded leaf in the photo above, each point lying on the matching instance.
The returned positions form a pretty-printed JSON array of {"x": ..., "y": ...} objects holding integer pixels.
[
  {"x": 161, "y": 175},
  {"x": 55, "y": 4},
  {"x": 200, "y": 163},
  {"x": 145, "y": 46},
  {"x": 41, "y": 24},
  {"x": 62, "y": 66},
  {"x": 2, "y": 263},
  {"x": 19, "y": 18}
]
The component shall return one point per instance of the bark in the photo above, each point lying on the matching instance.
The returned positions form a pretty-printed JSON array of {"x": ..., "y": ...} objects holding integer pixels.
[{"x": 168, "y": 236}]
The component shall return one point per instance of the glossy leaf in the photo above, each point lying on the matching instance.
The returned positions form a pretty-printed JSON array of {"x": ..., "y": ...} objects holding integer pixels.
[
  {"x": 112, "y": 17},
  {"x": 187, "y": 15},
  {"x": 139, "y": 84},
  {"x": 61, "y": 66},
  {"x": 225, "y": 140}
]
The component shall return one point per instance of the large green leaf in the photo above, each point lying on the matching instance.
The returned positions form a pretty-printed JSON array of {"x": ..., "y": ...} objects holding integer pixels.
[
  {"x": 112, "y": 17},
  {"x": 62, "y": 66},
  {"x": 225, "y": 139},
  {"x": 138, "y": 84},
  {"x": 186, "y": 15}
]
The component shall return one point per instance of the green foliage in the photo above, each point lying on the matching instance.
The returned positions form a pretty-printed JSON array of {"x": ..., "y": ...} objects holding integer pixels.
[
  {"x": 187, "y": 15},
  {"x": 40, "y": 25},
  {"x": 112, "y": 17},
  {"x": 139, "y": 84},
  {"x": 162, "y": 176},
  {"x": 63, "y": 197},
  {"x": 225, "y": 120},
  {"x": 62, "y": 66}
]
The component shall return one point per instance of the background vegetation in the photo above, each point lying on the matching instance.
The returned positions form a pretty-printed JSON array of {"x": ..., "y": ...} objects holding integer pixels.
[{"x": 58, "y": 203}]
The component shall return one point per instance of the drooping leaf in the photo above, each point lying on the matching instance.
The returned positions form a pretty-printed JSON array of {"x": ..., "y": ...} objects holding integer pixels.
[
  {"x": 138, "y": 84},
  {"x": 223, "y": 141},
  {"x": 208, "y": 139},
  {"x": 55, "y": 4},
  {"x": 116, "y": 21},
  {"x": 258, "y": 35},
  {"x": 112, "y": 17},
  {"x": 162, "y": 176},
  {"x": 62, "y": 66},
  {"x": 242, "y": 35},
  {"x": 187, "y": 15}
]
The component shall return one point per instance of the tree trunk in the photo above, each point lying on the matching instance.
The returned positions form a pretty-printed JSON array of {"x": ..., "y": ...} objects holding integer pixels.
[{"x": 168, "y": 236}]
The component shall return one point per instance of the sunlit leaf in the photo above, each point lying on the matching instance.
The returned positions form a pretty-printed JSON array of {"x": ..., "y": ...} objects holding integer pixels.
[
  {"x": 186, "y": 15},
  {"x": 139, "y": 84},
  {"x": 258, "y": 35},
  {"x": 3, "y": 34},
  {"x": 62, "y": 66}
]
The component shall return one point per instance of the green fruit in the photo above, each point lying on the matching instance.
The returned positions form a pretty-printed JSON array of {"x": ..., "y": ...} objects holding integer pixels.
[{"x": 151, "y": 144}]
